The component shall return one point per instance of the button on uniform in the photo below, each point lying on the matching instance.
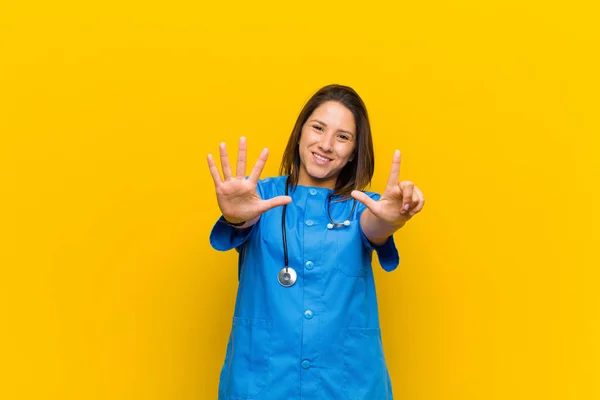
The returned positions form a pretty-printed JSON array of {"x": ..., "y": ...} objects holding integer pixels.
[
  {"x": 308, "y": 314},
  {"x": 313, "y": 191},
  {"x": 309, "y": 223},
  {"x": 309, "y": 265},
  {"x": 305, "y": 364}
]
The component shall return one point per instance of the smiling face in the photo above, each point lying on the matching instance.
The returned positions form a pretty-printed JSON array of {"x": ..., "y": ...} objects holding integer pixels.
[
  {"x": 331, "y": 143},
  {"x": 326, "y": 144}
]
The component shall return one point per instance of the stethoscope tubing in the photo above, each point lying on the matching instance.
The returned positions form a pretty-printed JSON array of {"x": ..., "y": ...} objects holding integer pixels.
[{"x": 287, "y": 276}]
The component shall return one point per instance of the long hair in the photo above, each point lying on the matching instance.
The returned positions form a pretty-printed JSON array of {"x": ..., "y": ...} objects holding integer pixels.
[{"x": 356, "y": 174}]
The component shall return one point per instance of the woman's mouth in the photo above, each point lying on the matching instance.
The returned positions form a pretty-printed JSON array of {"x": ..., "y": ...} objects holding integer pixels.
[{"x": 321, "y": 160}]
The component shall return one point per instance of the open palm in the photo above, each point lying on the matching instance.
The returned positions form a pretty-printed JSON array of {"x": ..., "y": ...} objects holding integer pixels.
[{"x": 237, "y": 196}]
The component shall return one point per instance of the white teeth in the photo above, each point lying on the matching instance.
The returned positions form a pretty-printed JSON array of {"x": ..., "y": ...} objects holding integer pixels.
[{"x": 318, "y": 157}]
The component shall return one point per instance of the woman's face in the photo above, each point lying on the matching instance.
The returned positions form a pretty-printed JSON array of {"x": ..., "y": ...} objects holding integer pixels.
[{"x": 326, "y": 144}]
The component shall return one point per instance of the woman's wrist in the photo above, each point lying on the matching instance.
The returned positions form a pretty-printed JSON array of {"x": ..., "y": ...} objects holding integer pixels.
[
  {"x": 377, "y": 230},
  {"x": 240, "y": 224},
  {"x": 233, "y": 222}
]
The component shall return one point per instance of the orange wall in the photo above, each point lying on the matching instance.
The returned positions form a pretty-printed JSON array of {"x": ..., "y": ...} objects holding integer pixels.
[{"x": 109, "y": 288}]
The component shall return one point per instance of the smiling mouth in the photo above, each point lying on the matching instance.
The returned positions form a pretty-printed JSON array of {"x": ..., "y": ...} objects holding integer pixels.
[{"x": 320, "y": 158}]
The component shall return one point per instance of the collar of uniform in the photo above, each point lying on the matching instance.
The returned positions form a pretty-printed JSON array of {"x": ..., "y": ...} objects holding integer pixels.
[
  {"x": 313, "y": 191},
  {"x": 306, "y": 191}
]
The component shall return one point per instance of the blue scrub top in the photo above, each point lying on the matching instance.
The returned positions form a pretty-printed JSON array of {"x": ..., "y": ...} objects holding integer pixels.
[{"x": 319, "y": 339}]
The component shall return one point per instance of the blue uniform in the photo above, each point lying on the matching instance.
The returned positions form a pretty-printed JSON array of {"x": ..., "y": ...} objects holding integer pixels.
[{"x": 319, "y": 339}]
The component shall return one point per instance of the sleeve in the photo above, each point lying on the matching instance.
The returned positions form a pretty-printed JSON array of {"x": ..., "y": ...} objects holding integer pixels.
[
  {"x": 224, "y": 237},
  {"x": 387, "y": 253}
]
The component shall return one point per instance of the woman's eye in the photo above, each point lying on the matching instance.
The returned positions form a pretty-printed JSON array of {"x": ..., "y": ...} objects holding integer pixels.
[
  {"x": 317, "y": 127},
  {"x": 344, "y": 137}
]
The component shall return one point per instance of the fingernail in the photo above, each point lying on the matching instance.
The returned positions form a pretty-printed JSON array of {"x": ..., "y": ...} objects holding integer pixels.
[{"x": 406, "y": 206}]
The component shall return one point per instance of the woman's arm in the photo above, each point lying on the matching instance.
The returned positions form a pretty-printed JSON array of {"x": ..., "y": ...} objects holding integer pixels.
[{"x": 375, "y": 229}]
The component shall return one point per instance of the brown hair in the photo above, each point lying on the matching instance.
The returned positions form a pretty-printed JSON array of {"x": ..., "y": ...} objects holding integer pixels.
[{"x": 356, "y": 174}]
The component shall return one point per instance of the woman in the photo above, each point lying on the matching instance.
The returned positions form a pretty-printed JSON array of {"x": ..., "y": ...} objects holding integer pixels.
[{"x": 306, "y": 323}]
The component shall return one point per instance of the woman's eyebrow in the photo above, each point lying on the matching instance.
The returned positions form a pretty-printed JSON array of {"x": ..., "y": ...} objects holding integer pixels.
[{"x": 324, "y": 124}]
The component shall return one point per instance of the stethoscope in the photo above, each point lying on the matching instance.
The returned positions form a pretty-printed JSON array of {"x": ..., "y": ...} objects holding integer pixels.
[{"x": 287, "y": 276}]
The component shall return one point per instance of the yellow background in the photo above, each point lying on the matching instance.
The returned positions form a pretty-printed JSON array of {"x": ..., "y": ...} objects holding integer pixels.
[{"x": 109, "y": 288}]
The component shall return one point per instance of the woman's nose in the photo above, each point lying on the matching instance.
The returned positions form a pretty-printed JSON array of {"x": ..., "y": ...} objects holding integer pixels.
[{"x": 326, "y": 143}]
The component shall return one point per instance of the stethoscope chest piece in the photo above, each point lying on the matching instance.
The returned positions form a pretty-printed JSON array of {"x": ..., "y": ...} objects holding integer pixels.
[{"x": 287, "y": 276}]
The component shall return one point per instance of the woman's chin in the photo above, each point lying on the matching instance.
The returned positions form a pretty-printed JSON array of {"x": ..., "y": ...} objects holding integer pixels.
[
  {"x": 318, "y": 174},
  {"x": 313, "y": 175}
]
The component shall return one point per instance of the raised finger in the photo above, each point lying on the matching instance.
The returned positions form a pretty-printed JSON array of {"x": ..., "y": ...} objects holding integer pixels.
[
  {"x": 395, "y": 170},
  {"x": 241, "y": 160},
  {"x": 225, "y": 161},
  {"x": 214, "y": 171},
  {"x": 258, "y": 167}
]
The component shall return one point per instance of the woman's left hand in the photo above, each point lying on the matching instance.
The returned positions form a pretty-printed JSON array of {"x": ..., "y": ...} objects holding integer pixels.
[{"x": 399, "y": 202}]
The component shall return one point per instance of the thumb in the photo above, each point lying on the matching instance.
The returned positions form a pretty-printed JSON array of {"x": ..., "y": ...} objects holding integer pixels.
[
  {"x": 266, "y": 205},
  {"x": 366, "y": 200}
]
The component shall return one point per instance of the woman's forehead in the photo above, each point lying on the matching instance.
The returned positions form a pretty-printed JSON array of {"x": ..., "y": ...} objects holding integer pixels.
[{"x": 334, "y": 114}]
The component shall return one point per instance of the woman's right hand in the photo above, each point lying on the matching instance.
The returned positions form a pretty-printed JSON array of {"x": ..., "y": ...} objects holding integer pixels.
[{"x": 236, "y": 195}]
